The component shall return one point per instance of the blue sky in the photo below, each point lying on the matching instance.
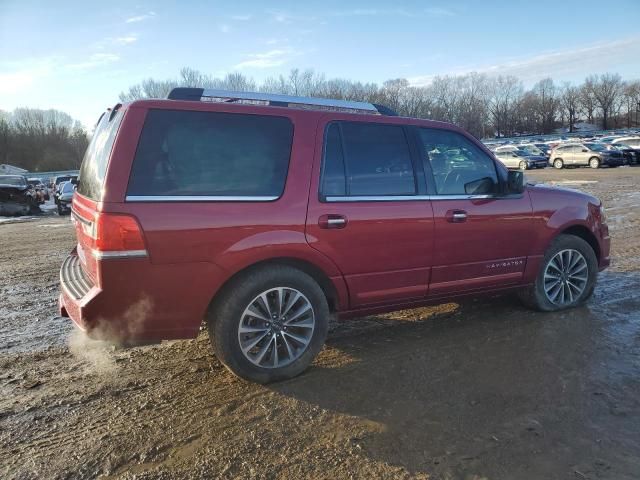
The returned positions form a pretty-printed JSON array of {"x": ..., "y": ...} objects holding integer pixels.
[{"x": 77, "y": 56}]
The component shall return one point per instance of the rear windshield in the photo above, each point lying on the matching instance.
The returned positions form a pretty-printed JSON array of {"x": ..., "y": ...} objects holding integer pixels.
[
  {"x": 188, "y": 153},
  {"x": 94, "y": 163}
]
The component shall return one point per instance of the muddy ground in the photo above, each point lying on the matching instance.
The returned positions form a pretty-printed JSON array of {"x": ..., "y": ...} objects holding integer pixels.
[{"x": 485, "y": 389}]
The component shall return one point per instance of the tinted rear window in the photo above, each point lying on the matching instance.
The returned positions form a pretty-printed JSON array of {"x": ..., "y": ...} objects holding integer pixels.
[
  {"x": 187, "y": 153},
  {"x": 367, "y": 159},
  {"x": 94, "y": 163}
]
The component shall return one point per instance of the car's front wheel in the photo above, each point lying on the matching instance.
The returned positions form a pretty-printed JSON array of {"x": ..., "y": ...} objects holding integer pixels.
[
  {"x": 566, "y": 278},
  {"x": 594, "y": 162},
  {"x": 523, "y": 165},
  {"x": 558, "y": 163},
  {"x": 269, "y": 324}
]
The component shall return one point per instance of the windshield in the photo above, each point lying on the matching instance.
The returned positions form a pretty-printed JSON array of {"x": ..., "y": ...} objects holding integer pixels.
[
  {"x": 531, "y": 150},
  {"x": 67, "y": 187},
  {"x": 13, "y": 180},
  {"x": 94, "y": 164}
]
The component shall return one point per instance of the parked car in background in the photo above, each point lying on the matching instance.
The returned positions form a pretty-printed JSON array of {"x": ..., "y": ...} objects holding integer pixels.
[
  {"x": 630, "y": 141},
  {"x": 631, "y": 154},
  {"x": 64, "y": 197},
  {"x": 57, "y": 181},
  {"x": 518, "y": 159},
  {"x": 41, "y": 190},
  {"x": 264, "y": 219},
  {"x": 16, "y": 196},
  {"x": 593, "y": 155}
]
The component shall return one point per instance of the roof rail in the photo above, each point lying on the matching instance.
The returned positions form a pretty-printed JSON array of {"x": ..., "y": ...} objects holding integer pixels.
[{"x": 277, "y": 100}]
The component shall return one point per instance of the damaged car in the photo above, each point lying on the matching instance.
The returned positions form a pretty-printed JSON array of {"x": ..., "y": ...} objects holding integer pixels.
[{"x": 16, "y": 196}]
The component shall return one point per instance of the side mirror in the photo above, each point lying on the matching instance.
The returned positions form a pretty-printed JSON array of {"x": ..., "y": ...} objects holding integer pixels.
[
  {"x": 585, "y": 150},
  {"x": 515, "y": 181}
]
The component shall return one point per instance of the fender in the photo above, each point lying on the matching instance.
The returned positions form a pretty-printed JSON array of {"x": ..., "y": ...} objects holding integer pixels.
[{"x": 289, "y": 244}]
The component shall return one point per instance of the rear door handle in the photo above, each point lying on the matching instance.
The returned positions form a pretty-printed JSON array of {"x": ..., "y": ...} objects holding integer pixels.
[
  {"x": 456, "y": 216},
  {"x": 332, "y": 221}
]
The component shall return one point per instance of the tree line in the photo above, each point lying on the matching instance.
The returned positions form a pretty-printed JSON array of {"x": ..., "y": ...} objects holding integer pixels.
[
  {"x": 41, "y": 140},
  {"x": 484, "y": 105}
]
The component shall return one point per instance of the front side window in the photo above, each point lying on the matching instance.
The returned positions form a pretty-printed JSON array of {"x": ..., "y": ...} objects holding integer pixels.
[
  {"x": 459, "y": 166},
  {"x": 367, "y": 159},
  {"x": 189, "y": 153}
]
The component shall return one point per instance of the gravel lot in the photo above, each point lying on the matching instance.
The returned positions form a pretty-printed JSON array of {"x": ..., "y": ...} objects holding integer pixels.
[{"x": 483, "y": 389}]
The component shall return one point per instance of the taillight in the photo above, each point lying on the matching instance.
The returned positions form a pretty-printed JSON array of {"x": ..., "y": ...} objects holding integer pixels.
[{"x": 117, "y": 235}]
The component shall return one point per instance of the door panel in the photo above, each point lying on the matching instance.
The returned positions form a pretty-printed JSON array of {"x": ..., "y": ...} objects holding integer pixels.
[
  {"x": 384, "y": 251},
  {"x": 383, "y": 243},
  {"x": 488, "y": 249},
  {"x": 482, "y": 236}
]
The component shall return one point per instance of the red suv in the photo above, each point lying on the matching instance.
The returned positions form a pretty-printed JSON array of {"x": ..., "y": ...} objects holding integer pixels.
[{"x": 264, "y": 214}]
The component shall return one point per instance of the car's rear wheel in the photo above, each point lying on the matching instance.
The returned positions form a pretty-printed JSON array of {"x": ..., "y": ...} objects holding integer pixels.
[
  {"x": 566, "y": 278},
  {"x": 523, "y": 165},
  {"x": 270, "y": 324},
  {"x": 558, "y": 163},
  {"x": 594, "y": 162}
]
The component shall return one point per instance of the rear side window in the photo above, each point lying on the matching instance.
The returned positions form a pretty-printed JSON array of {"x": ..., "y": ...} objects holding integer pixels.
[
  {"x": 187, "y": 153},
  {"x": 94, "y": 163},
  {"x": 367, "y": 159}
]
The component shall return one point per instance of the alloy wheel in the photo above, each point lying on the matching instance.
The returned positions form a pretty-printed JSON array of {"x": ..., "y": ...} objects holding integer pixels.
[
  {"x": 565, "y": 277},
  {"x": 276, "y": 327}
]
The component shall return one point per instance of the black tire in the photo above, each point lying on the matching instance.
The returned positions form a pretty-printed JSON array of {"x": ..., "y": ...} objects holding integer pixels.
[
  {"x": 60, "y": 211},
  {"x": 535, "y": 297},
  {"x": 594, "y": 161},
  {"x": 522, "y": 165},
  {"x": 558, "y": 163},
  {"x": 225, "y": 314}
]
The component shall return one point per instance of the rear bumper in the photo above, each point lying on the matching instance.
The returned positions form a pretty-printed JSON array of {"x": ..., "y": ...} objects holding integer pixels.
[{"x": 137, "y": 301}]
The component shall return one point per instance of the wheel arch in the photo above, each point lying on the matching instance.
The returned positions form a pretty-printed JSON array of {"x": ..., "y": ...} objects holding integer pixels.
[
  {"x": 333, "y": 296},
  {"x": 585, "y": 234}
]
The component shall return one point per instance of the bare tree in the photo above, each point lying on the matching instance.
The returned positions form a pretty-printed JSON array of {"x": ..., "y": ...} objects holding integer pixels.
[
  {"x": 506, "y": 93},
  {"x": 631, "y": 99},
  {"x": 570, "y": 100},
  {"x": 606, "y": 91}
]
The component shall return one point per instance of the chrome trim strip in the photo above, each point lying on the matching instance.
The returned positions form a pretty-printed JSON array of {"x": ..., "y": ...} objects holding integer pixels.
[
  {"x": 405, "y": 198},
  {"x": 119, "y": 254},
  {"x": 198, "y": 198},
  {"x": 272, "y": 97},
  {"x": 88, "y": 223}
]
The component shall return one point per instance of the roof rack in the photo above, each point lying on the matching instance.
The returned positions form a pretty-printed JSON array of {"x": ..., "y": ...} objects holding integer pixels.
[{"x": 276, "y": 100}]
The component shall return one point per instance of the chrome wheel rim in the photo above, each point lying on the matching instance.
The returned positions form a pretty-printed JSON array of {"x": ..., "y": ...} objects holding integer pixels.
[
  {"x": 276, "y": 327},
  {"x": 565, "y": 277},
  {"x": 594, "y": 163}
]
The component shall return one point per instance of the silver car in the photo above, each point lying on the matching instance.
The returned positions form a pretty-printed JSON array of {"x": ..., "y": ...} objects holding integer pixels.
[{"x": 593, "y": 155}]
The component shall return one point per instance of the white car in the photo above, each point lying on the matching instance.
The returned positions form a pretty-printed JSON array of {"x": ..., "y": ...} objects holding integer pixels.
[{"x": 633, "y": 142}]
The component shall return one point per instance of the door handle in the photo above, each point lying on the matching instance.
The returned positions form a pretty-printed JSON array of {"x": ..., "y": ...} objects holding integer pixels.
[
  {"x": 456, "y": 216},
  {"x": 332, "y": 221}
]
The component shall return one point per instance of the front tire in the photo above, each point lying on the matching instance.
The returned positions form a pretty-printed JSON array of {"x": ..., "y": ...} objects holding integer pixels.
[
  {"x": 594, "y": 162},
  {"x": 523, "y": 165},
  {"x": 558, "y": 163},
  {"x": 567, "y": 276},
  {"x": 269, "y": 324}
]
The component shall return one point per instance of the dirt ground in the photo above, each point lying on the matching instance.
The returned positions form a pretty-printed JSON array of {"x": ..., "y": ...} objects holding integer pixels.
[{"x": 485, "y": 389}]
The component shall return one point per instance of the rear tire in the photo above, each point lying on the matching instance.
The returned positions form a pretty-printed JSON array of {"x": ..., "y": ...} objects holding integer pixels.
[
  {"x": 594, "y": 162},
  {"x": 558, "y": 163},
  {"x": 544, "y": 294},
  {"x": 286, "y": 349}
]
